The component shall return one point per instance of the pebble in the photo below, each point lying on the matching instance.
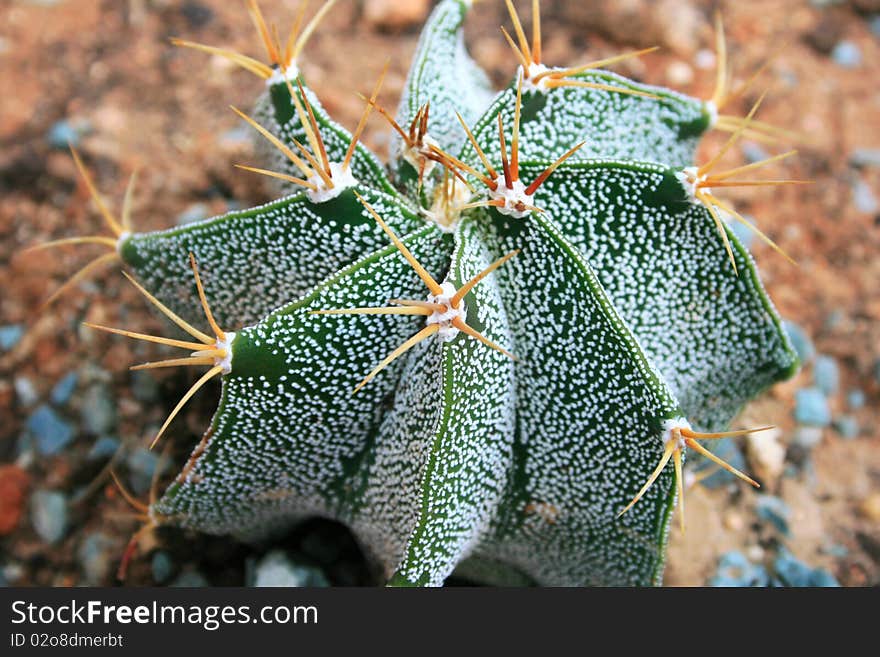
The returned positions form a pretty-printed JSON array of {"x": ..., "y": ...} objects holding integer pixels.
[
  {"x": 395, "y": 14},
  {"x": 800, "y": 341},
  {"x": 735, "y": 570},
  {"x": 790, "y": 571},
  {"x": 847, "y": 426},
  {"x": 863, "y": 197},
  {"x": 25, "y": 391},
  {"x": 679, "y": 74},
  {"x": 144, "y": 386},
  {"x": 275, "y": 569},
  {"x": 63, "y": 390},
  {"x": 865, "y": 157},
  {"x": 195, "y": 212},
  {"x": 190, "y": 579},
  {"x": 10, "y": 336},
  {"x": 826, "y": 374},
  {"x": 62, "y": 134},
  {"x": 13, "y": 486},
  {"x": 98, "y": 411},
  {"x": 855, "y": 399},
  {"x": 142, "y": 463},
  {"x": 773, "y": 510},
  {"x": 103, "y": 448},
  {"x": 807, "y": 437},
  {"x": 51, "y": 432},
  {"x": 162, "y": 566},
  {"x": 96, "y": 555},
  {"x": 846, "y": 54},
  {"x": 729, "y": 451},
  {"x": 743, "y": 233},
  {"x": 874, "y": 25},
  {"x": 49, "y": 514},
  {"x": 766, "y": 454},
  {"x": 754, "y": 152},
  {"x": 811, "y": 408}
]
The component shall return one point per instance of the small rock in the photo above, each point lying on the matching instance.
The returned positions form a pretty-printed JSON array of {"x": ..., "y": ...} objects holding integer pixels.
[
  {"x": 847, "y": 426},
  {"x": 729, "y": 451},
  {"x": 835, "y": 319},
  {"x": 754, "y": 152},
  {"x": 62, "y": 134},
  {"x": 743, "y": 233},
  {"x": 190, "y": 579},
  {"x": 735, "y": 570},
  {"x": 807, "y": 437},
  {"x": 800, "y": 341},
  {"x": 865, "y": 157},
  {"x": 679, "y": 74},
  {"x": 52, "y": 433},
  {"x": 49, "y": 514},
  {"x": 98, "y": 411},
  {"x": 705, "y": 59},
  {"x": 103, "y": 448},
  {"x": 162, "y": 566},
  {"x": 10, "y": 336},
  {"x": 766, "y": 455},
  {"x": 63, "y": 390},
  {"x": 863, "y": 197},
  {"x": 25, "y": 391},
  {"x": 96, "y": 556},
  {"x": 13, "y": 486},
  {"x": 142, "y": 464},
  {"x": 395, "y": 14},
  {"x": 855, "y": 399},
  {"x": 773, "y": 510},
  {"x": 826, "y": 375},
  {"x": 874, "y": 25},
  {"x": 734, "y": 521},
  {"x": 846, "y": 54},
  {"x": 793, "y": 572},
  {"x": 195, "y": 212},
  {"x": 870, "y": 507},
  {"x": 275, "y": 569},
  {"x": 144, "y": 386},
  {"x": 811, "y": 408}
]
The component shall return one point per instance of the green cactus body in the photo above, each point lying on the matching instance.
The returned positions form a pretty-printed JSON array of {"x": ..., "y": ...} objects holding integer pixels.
[{"x": 621, "y": 307}]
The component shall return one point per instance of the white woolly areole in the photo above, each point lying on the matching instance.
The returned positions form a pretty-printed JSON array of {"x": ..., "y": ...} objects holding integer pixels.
[
  {"x": 447, "y": 330},
  {"x": 342, "y": 180},
  {"x": 529, "y": 83},
  {"x": 689, "y": 177},
  {"x": 226, "y": 345},
  {"x": 712, "y": 109},
  {"x": 512, "y": 197},
  {"x": 416, "y": 157},
  {"x": 124, "y": 235},
  {"x": 670, "y": 425},
  {"x": 280, "y": 76}
]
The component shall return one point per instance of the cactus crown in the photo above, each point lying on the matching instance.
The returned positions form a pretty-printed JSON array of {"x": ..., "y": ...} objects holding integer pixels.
[{"x": 537, "y": 304}]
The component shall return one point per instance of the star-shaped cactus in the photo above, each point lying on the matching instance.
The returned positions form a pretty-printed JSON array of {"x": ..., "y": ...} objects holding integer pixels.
[{"x": 562, "y": 220}]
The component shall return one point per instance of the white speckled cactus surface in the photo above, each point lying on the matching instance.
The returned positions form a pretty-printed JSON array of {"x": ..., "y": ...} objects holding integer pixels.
[{"x": 489, "y": 356}]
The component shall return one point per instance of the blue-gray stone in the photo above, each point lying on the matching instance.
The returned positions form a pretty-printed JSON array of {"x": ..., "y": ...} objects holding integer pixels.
[
  {"x": 754, "y": 152},
  {"x": 62, "y": 134},
  {"x": 847, "y": 426},
  {"x": 49, "y": 515},
  {"x": 811, "y": 408},
  {"x": 98, "y": 412},
  {"x": 846, "y": 54},
  {"x": 874, "y": 25},
  {"x": 190, "y": 579},
  {"x": 163, "y": 567},
  {"x": 729, "y": 451},
  {"x": 275, "y": 569},
  {"x": 51, "y": 432},
  {"x": 25, "y": 391},
  {"x": 773, "y": 510},
  {"x": 807, "y": 437},
  {"x": 103, "y": 448},
  {"x": 865, "y": 157},
  {"x": 142, "y": 463},
  {"x": 63, "y": 390},
  {"x": 791, "y": 571},
  {"x": 821, "y": 577},
  {"x": 10, "y": 335},
  {"x": 855, "y": 399},
  {"x": 144, "y": 386},
  {"x": 863, "y": 197},
  {"x": 195, "y": 212},
  {"x": 734, "y": 569},
  {"x": 826, "y": 374},
  {"x": 96, "y": 555},
  {"x": 800, "y": 341},
  {"x": 743, "y": 233}
]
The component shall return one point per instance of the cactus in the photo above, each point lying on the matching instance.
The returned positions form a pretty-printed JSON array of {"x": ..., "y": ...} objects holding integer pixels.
[{"x": 483, "y": 356}]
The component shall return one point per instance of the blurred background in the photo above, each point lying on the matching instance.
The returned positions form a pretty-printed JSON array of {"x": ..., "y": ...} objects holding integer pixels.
[{"x": 102, "y": 75}]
